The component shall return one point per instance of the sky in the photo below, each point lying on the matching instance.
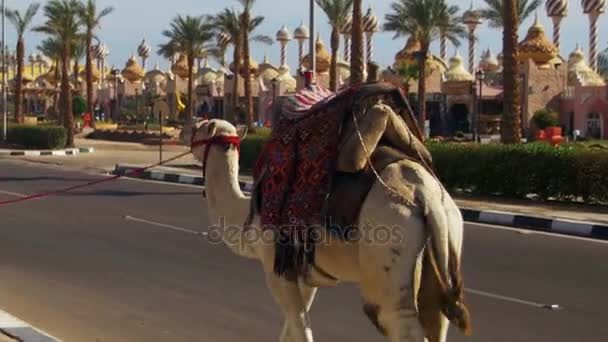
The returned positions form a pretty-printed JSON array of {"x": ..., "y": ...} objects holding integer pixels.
[{"x": 134, "y": 20}]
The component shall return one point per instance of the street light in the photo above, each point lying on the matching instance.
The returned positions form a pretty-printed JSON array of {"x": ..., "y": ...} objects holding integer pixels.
[
  {"x": 313, "y": 46},
  {"x": 479, "y": 76},
  {"x": 4, "y": 112},
  {"x": 115, "y": 72}
]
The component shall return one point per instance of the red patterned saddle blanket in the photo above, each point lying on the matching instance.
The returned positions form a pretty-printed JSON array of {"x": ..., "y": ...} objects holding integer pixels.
[{"x": 294, "y": 173}]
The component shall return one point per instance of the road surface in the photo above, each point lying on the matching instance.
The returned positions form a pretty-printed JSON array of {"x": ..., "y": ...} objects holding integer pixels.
[{"x": 73, "y": 266}]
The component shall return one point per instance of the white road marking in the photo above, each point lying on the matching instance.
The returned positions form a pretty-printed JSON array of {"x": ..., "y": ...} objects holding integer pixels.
[
  {"x": 164, "y": 225},
  {"x": 514, "y": 300},
  {"x": 533, "y": 232},
  {"x": 15, "y": 194}
]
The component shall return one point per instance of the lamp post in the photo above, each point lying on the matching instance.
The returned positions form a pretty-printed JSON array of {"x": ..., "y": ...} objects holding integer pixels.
[
  {"x": 4, "y": 113},
  {"x": 479, "y": 76},
  {"x": 115, "y": 72},
  {"x": 313, "y": 47}
]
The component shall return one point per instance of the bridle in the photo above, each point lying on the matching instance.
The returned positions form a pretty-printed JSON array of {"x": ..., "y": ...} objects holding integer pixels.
[{"x": 218, "y": 140}]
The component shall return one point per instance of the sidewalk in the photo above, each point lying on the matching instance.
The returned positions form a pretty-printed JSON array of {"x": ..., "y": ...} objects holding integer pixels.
[{"x": 109, "y": 154}]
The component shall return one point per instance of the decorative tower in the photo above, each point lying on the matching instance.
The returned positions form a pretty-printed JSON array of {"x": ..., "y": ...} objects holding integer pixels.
[
  {"x": 105, "y": 52},
  {"x": 346, "y": 31},
  {"x": 472, "y": 18},
  {"x": 283, "y": 37},
  {"x": 370, "y": 27},
  {"x": 41, "y": 62},
  {"x": 557, "y": 10},
  {"x": 144, "y": 53},
  {"x": 593, "y": 8},
  {"x": 301, "y": 35}
]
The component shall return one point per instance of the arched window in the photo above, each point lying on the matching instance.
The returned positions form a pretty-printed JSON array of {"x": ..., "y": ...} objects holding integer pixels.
[{"x": 594, "y": 125}]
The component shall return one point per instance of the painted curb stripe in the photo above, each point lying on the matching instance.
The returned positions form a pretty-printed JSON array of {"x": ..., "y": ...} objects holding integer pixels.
[
  {"x": 45, "y": 153},
  {"x": 558, "y": 226},
  {"x": 19, "y": 329}
]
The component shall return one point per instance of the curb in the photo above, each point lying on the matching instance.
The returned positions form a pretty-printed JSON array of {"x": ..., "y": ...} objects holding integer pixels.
[
  {"x": 14, "y": 329},
  {"x": 46, "y": 153},
  {"x": 543, "y": 224}
]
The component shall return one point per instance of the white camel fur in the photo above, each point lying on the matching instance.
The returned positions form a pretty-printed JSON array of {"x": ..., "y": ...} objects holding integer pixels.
[{"x": 389, "y": 273}]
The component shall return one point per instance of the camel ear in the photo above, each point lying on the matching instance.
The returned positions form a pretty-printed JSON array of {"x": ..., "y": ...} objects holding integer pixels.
[
  {"x": 241, "y": 132},
  {"x": 211, "y": 128}
]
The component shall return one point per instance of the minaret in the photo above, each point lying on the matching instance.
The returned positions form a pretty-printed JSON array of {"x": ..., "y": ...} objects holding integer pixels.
[
  {"x": 472, "y": 18},
  {"x": 144, "y": 53},
  {"x": 370, "y": 27},
  {"x": 283, "y": 37},
  {"x": 301, "y": 34},
  {"x": 346, "y": 31},
  {"x": 593, "y": 8},
  {"x": 557, "y": 10},
  {"x": 32, "y": 60}
]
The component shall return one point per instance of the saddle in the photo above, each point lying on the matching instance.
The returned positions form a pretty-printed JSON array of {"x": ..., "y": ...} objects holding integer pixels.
[{"x": 324, "y": 155}]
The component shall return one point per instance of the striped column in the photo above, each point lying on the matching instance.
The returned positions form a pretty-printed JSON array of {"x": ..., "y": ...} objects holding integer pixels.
[
  {"x": 471, "y": 50},
  {"x": 283, "y": 53},
  {"x": 593, "y": 39},
  {"x": 347, "y": 48},
  {"x": 444, "y": 48},
  {"x": 557, "y": 23},
  {"x": 369, "y": 37}
]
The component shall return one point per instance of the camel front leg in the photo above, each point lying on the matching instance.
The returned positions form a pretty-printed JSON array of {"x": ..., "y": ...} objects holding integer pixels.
[
  {"x": 308, "y": 295},
  {"x": 294, "y": 308}
]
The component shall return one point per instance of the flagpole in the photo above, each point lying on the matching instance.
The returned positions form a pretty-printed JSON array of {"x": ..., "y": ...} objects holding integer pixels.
[
  {"x": 4, "y": 71},
  {"x": 313, "y": 47}
]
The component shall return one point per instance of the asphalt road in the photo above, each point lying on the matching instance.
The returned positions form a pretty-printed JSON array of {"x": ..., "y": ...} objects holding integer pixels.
[{"x": 73, "y": 266}]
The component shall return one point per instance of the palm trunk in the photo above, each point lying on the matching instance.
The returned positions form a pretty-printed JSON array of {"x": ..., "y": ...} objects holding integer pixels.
[
  {"x": 190, "y": 87},
  {"x": 76, "y": 73},
  {"x": 356, "y": 62},
  {"x": 335, "y": 47},
  {"x": 89, "y": 76},
  {"x": 66, "y": 98},
  {"x": 235, "y": 86},
  {"x": 511, "y": 123},
  {"x": 246, "y": 57},
  {"x": 422, "y": 87},
  {"x": 56, "y": 98},
  {"x": 19, "y": 80}
]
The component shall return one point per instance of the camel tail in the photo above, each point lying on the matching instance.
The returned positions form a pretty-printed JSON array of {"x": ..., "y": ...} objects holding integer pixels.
[{"x": 445, "y": 261}]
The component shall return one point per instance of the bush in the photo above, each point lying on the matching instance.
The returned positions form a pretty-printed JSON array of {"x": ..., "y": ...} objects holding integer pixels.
[
  {"x": 561, "y": 173},
  {"x": 79, "y": 105},
  {"x": 544, "y": 118},
  {"x": 565, "y": 173},
  {"x": 38, "y": 137}
]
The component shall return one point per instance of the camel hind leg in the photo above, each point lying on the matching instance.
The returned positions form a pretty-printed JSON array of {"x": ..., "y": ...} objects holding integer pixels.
[
  {"x": 429, "y": 305},
  {"x": 388, "y": 256}
]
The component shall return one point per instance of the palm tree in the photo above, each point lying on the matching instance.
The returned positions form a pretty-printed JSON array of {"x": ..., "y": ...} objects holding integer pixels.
[
  {"x": 188, "y": 36},
  {"x": 78, "y": 52},
  {"x": 337, "y": 13},
  {"x": 62, "y": 23},
  {"x": 21, "y": 23},
  {"x": 229, "y": 22},
  {"x": 90, "y": 18},
  {"x": 245, "y": 25},
  {"x": 511, "y": 123},
  {"x": 356, "y": 59},
  {"x": 495, "y": 10},
  {"x": 51, "y": 48},
  {"x": 407, "y": 73},
  {"x": 424, "y": 21}
]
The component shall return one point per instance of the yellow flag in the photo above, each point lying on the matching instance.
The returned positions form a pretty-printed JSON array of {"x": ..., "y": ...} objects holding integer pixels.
[{"x": 180, "y": 105}]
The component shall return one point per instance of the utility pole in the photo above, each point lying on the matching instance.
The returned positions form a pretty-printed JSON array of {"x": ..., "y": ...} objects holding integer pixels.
[
  {"x": 4, "y": 112},
  {"x": 312, "y": 41}
]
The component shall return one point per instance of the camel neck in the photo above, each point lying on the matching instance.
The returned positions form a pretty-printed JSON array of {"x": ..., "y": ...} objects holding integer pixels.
[{"x": 224, "y": 195}]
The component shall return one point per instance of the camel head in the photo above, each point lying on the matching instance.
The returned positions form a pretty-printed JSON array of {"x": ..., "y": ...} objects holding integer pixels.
[{"x": 207, "y": 130}]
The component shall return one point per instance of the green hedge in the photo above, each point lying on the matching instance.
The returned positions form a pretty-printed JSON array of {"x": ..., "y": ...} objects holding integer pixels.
[
  {"x": 38, "y": 137},
  {"x": 561, "y": 173},
  {"x": 566, "y": 173}
]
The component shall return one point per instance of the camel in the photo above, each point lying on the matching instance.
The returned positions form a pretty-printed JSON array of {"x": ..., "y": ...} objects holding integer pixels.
[{"x": 404, "y": 285}]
